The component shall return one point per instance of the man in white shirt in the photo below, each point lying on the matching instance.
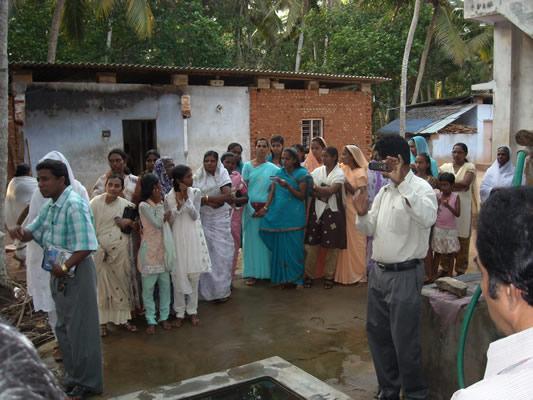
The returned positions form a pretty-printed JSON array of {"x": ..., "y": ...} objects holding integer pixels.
[
  {"x": 505, "y": 248},
  {"x": 400, "y": 222}
]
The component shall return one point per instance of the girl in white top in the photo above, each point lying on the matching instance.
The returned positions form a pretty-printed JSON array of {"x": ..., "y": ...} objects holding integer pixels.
[{"x": 192, "y": 254}]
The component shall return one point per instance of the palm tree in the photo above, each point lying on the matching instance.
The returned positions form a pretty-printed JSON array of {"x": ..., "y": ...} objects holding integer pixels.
[
  {"x": 70, "y": 15},
  {"x": 405, "y": 62},
  {"x": 4, "y": 8}
]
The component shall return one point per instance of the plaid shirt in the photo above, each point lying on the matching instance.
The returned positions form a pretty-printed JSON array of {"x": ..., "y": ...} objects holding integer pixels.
[{"x": 65, "y": 223}]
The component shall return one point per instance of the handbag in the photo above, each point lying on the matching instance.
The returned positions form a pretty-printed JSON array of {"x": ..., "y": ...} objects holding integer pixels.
[{"x": 129, "y": 213}]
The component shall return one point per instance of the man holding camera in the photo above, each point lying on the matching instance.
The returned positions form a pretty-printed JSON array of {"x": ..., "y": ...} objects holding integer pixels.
[{"x": 400, "y": 221}]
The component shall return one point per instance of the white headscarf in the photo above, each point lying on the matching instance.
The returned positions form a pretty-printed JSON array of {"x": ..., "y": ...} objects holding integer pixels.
[
  {"x": 211, "y": 184},
  {"x": 18, "y": 196},
  {"x": 496, "y": 177},
  {"x": 38, "y": 280}
]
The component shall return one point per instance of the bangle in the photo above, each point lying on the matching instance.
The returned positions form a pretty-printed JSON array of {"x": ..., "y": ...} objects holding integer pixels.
[
  {"x": 206, "y": 198},
  {"x": 64, "y": 267},
  {"x": 265, "y": 208}
]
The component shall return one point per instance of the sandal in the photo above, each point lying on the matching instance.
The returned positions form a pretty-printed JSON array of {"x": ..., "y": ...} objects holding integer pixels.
[
  {"x": 130, "y": 327},
  {"x": 250, "y": 281},
  {"x": 150, "y": 330},
  {"x": 328, "y": 283},
  {"x": 308, "y": 282},
  {"x": 103, "y": 331},
  {"x": 195, "y": 321},
  {"x": 166, "y": 325}
]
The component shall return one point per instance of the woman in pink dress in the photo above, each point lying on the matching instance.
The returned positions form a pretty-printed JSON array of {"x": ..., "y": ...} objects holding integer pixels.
[{"x": 239, "y": 191}]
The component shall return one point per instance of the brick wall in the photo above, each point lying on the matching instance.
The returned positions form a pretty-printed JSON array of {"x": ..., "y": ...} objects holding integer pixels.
[
  {"x": 15, "y": 141},
  {"x": 347, "y": 116}
]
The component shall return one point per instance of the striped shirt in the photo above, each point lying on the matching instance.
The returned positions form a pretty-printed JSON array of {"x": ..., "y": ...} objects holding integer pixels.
[{"x": 65, "y": 223}]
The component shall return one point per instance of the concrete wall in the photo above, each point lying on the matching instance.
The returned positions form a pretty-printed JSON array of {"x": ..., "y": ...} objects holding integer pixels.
[
  {"x": 347, "y": 116},
  {"x": 70, "y": 117},
  {"x": 220, "y": 115},
  {"x": 442, "y": 144}
]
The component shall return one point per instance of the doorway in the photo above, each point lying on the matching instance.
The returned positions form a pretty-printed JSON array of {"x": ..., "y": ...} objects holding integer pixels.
[{"x": 139, "y": 136}]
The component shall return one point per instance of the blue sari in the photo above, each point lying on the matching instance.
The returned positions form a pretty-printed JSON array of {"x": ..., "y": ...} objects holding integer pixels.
[
  {"x": 256, "y": 256},
  {"x": 282, "y": 230}
]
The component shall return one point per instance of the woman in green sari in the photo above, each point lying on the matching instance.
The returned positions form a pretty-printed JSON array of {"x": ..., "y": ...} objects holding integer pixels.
[{"x": 282, "y": 227}]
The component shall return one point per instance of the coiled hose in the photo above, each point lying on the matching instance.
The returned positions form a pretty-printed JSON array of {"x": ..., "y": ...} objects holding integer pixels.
[{"x": 517, "y": 181}]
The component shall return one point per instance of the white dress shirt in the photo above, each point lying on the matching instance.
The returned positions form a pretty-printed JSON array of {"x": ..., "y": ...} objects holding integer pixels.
[
  {"x": 400, "y": 220},
  {"x": 509, "y": 372}
]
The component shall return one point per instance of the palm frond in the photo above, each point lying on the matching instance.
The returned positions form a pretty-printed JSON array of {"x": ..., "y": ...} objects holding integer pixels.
[
  {"x": 482, "y": 41},
  {"x": 140, "y": 17},
  {"x": 73, "y": 22},
  {"x": 449, "y": 34},
  {"x": 103, "y": 7}
]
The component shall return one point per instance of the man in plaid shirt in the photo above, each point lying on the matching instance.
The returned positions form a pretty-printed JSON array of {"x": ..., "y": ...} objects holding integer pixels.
[{"x": 65, "y": 223}]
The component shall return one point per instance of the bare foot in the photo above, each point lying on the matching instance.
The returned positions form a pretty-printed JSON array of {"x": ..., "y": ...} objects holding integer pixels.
[
  {"x": 150, "y": 330},
  {"x": 195, "y": 321},
  {"x": 250, "y": 281},
  {"x": 166, "y": 325},
  {"x": 178, "y": 322}
]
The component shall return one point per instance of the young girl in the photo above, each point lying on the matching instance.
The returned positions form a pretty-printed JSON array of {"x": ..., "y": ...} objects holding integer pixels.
[
  {"x": 192, "y": 255},
  {"x": 445, "y": 241},
  {"x": 423, "y": 169},
  {"x": 240, "y": 194},
  {"x": 152, "y": 253}
]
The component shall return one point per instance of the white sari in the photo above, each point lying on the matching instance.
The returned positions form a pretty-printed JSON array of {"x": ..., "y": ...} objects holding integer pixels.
[
  {"x": 496, "y": 177},
  {"x": 38, "y": 280}
]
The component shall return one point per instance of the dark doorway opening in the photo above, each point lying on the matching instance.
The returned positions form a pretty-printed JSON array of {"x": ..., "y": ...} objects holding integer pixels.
[{"x": 139, "y": 136}]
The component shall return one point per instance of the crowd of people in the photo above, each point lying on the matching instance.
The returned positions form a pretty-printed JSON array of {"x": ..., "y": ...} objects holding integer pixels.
[{"x": 165, "y": 239}]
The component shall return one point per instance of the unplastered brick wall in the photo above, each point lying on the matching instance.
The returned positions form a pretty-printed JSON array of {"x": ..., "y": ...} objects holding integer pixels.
[{"x": 346, "y": 115}]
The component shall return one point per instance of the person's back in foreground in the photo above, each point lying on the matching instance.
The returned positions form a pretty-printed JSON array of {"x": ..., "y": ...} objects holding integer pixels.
[{"x": 506, "y": 263}]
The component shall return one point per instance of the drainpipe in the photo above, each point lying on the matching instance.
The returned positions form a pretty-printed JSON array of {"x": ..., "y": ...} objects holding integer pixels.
[
  {"x": 186, "y": 114},
  {"x": 185, "y": 139}
]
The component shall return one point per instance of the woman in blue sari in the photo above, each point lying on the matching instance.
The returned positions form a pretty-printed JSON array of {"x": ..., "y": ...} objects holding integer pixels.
[
  {"x": 257, "y": 175},
  {"x": 282, "y": 227},
  {"x": 418, "y": 146}
]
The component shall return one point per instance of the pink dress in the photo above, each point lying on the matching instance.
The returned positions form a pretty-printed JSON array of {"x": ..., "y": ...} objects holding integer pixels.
[
  {"x": 445, "y": 236},
  {"x": 237, "y": 185}
]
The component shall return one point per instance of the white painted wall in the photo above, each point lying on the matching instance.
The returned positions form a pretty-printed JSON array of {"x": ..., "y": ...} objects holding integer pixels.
[
  {"x": 210, "y": 128},
  {"x": 442, "y": 144},
  {"x": 70, "y": 117}
]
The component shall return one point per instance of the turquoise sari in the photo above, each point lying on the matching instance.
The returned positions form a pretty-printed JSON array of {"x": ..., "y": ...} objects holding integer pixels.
[
  {"x": 282, "y": 230},
  {"x": 422, "y": 147},
  {"x": 256, "y": 256}
]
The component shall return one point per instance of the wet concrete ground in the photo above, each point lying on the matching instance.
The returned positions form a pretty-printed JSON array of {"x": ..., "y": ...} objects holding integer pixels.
[{"x": 321, "y": 331}]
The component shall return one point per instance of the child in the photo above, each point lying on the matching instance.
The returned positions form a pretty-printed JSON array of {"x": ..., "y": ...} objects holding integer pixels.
[
  {"x": 445, "y": 241},
  {"x": 192, "y": 255},
  {"x": 239, "y": 191},
  {"x": 152, "y": 253},
  {"x": 423, "y": 169}
]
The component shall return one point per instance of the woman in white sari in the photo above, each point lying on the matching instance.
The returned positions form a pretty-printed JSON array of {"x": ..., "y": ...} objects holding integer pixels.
[
  {"x": 18, "y": 196},
  {"x": 214, "y": 183},
  {"x": 38, "y": 280},
  {"x": 499, "y": 175},
  {"x": 326, "y": 227},
  {"x": 112, "y": 259}
]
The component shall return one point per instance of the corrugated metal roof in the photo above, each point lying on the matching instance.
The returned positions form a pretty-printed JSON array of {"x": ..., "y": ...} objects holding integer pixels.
[
  {"x": 427, "y": 120},
  {"x": 199, "y": 71}
]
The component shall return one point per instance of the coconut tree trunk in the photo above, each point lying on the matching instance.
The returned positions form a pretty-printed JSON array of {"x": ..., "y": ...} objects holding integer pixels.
[
  {"x": 108, "y": 40},
  {"x": 424, "y": 57},
  {"x": 54, "y": 31},
  {"x": 405, "y": 63},
  {"x": 300, "y": 48},
  {"x": 3, "y": 131}
]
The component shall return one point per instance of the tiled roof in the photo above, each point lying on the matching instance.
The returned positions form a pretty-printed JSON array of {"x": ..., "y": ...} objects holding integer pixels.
[{"x": 140, "y": 68}]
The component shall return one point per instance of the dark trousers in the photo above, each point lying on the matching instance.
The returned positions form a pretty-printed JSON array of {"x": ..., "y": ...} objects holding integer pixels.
[
  {"x": 78, "y": 329},
  {"x": 393, "y": 327}
]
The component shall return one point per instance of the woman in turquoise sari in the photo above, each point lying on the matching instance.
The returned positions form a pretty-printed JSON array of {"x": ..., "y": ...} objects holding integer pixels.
[
  {"x": 282, "y": 227},
  {"x": 418, "y": 146},
  {"x": 257, "y": 175}
]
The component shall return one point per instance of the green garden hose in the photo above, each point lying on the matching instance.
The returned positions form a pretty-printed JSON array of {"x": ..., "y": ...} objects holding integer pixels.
[{"x": 517, "y": 181}]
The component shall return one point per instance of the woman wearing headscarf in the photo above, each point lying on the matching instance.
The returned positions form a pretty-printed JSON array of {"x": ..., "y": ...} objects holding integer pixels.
[
  {"x": 117, "y": 159},
  {"x": 314, "y": 157},
  {"x": 326, "y": 227},
  {"x": 419, "y": 145},
  {"x": 18, "y": 195},
  {"x": 499, "y": 175},
  {"x": 465, "y": 175},
  {"x": 37, "y": 279},
  {"x": 257, "y": 174},
  {"x": 163, "y": 170},
  {"x": 351, "y": 262},
  {"x": 282, "y": 227},
  {"x": 214, "y": 183}
]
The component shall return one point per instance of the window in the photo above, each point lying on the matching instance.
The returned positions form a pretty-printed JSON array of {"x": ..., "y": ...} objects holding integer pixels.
[{"x": 311, "y": 128}]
